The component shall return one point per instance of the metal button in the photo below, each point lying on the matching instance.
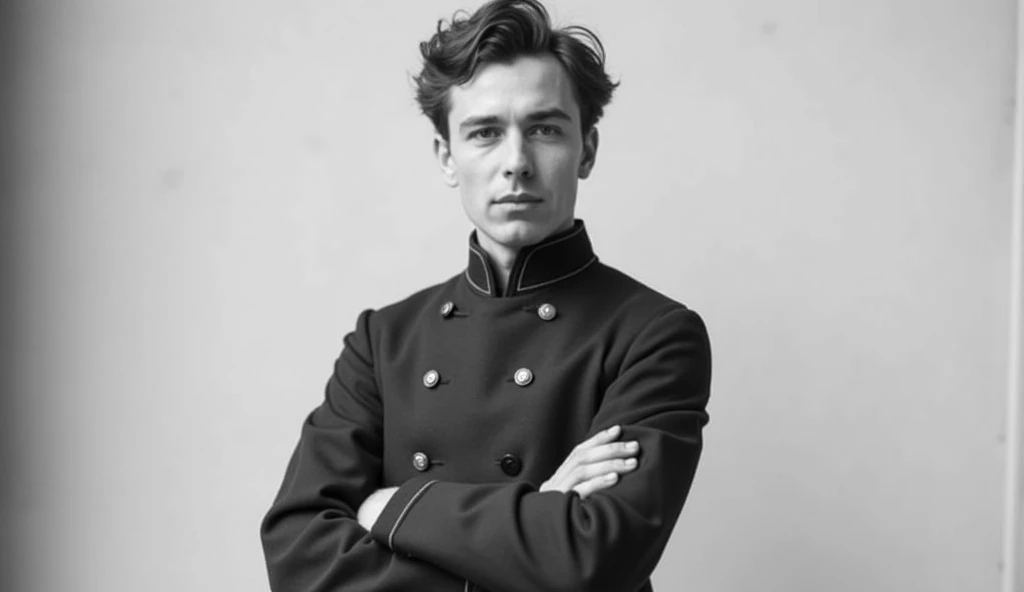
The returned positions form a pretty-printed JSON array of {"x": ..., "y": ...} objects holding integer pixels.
[
  {"x": 547, "y": 312},
  {"x": 420, "y": 461},
  {"x": 511, "y": 465},
  {"x": 523, "y": 376},
  {"x": 447, "y": 309},
  {"x": 431, "y": 378}
]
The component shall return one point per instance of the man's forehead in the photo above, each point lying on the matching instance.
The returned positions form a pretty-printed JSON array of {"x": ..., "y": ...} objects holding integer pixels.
[{"x": 530, "y": 84}]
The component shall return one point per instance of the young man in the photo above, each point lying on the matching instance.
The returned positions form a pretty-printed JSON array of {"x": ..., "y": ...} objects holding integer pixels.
[{"x": 533, "y": 423}]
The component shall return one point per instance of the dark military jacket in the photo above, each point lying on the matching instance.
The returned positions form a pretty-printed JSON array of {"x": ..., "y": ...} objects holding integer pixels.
[{"x": 467, "y": 401}]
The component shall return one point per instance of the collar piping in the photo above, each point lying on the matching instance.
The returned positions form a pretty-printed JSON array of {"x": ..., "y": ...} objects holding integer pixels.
[{"x": 550, "y": 261}]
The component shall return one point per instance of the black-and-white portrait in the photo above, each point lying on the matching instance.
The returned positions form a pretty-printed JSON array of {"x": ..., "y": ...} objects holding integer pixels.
[{"x": 513, "y": 295}]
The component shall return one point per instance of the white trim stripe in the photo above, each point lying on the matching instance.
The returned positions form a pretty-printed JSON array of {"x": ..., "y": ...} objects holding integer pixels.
[
  {"x": 526, "y": 263},
  {"x": 405, "y": 510},
  {"x": 521, "y": 288},
  {"x": 487, "y": 274}
]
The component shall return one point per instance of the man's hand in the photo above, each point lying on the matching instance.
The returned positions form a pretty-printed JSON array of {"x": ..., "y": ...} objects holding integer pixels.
[
  {"x": 594, "y": 464},
  {"x": 372, "y": 506}
]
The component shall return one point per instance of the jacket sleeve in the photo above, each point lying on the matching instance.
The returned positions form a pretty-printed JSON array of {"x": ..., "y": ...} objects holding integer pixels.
[
  {"x": 512, "y": 538},
  {"x": 311, "y": 538}
]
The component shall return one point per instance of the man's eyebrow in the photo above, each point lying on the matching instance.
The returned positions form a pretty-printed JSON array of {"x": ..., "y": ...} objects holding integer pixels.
[
  {"x": 476, "y": 120},
  {"x": 553, "y": 113},
  {"x": 543, "y": 114}
]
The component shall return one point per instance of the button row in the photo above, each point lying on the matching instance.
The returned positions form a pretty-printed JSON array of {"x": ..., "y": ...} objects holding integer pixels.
[
  {"x": 522, "y": 377},
  {"x": 546, "y": 312},
  {"x": 510, "y": 464}
]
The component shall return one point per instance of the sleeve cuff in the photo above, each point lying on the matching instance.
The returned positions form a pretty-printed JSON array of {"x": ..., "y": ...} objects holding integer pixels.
[{"x": 397, "y": 508}]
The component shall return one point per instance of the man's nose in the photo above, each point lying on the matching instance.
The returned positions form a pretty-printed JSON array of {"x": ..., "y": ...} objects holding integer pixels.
[{"x": 519, "y": 162}]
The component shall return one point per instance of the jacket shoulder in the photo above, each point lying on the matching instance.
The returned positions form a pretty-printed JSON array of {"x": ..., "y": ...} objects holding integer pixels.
[
  {"x": 399, "y": 315},
  {"x": 635, "y": 297}
]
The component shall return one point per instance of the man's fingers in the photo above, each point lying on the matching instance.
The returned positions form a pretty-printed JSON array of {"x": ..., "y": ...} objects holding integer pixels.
[
  {"x": 618, "y": 465},
  {"x": 587, "y": 467},
  {"x": 587, "y": 479},
  {"x": 599, "y": 438},
  {"x": 596, "y": 484},
  {"x": 607, "y": 451}
]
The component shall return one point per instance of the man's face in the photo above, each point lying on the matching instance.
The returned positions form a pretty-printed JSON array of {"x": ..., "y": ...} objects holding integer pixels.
[{"x": 516, "y": 151}]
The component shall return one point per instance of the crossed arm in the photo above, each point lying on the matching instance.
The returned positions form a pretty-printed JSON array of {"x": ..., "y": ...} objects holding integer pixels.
[
  {"x": 593, "y": 465},
  {"x": 506, "y": 537}
]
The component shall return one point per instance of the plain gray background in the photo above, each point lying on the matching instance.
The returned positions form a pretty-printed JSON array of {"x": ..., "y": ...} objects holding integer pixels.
[{"x": 215, "y": 188}]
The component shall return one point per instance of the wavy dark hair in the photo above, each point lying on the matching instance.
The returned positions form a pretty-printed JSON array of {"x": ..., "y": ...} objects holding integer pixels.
[{"x": 499, "y": 32}]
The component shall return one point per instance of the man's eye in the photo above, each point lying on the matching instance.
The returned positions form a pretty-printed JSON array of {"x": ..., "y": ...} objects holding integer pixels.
[
  {"x": 547, "y": 130},
  {"x": 486, "y": 133}
]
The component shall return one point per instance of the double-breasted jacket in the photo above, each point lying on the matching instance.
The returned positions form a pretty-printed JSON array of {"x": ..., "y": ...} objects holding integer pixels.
[{"x": 467, "y": 401}]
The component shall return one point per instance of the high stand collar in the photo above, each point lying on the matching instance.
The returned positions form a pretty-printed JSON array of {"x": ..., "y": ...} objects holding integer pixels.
[{"x": 552, "y": 260}]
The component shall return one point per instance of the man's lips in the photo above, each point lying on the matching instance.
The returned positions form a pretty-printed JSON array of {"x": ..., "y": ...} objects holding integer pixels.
[{"x": 518, "y": 198}]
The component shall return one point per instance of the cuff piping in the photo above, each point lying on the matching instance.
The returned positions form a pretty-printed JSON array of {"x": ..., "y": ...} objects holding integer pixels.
[{"x": 405, "y": 510}]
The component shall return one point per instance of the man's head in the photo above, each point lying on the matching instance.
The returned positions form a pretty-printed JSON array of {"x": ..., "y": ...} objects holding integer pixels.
[
  {"x": 501, "y": 31},
  {"x": 514, "y": 104}
]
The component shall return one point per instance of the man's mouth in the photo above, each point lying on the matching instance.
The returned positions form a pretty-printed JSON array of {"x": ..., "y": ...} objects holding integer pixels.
[{"x": 518, "y": 198}]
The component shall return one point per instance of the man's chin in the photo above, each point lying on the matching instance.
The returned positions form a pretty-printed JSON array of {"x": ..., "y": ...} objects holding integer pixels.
[{"x": 516, "y": 234}]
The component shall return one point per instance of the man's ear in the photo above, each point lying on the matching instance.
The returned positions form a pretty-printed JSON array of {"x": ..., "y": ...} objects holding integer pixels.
[
  {"x": 444, "y": 159},
  {"x": 590, "y": 141}
]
